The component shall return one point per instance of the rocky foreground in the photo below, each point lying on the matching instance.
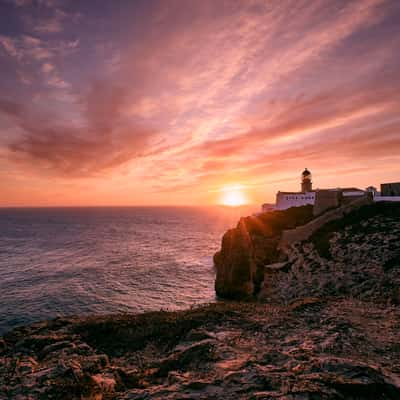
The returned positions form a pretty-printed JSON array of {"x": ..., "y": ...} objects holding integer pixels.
[
  {"x": 311, "y": 349},
  {"x": 329, "y": 327}
]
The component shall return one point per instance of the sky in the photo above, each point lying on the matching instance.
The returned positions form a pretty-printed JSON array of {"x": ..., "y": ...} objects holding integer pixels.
[{"x": 175, "y": 102}]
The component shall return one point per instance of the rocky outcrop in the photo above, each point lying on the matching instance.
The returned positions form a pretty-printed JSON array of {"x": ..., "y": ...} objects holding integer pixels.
[
  {"x": 310, "y": 349},
  {"x": 236, "y": 267},
  {"x": 251, "y": 245},
  {"x": 357, "y": 256},
  {"x": 292, "y": 258},
  {"x": 304, "y": 232}
]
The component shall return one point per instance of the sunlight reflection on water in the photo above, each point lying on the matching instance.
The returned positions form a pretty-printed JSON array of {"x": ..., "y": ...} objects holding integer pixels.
[{"x": 102, "y": 260}]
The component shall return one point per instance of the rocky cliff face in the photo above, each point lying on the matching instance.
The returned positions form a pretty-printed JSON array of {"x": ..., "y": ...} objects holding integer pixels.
[
  {"x": 355, "y": 252},
  {"x": 357, "y": 256},
  {"x": 246, "y": 249},
  {"x": 236, "y": 267}
]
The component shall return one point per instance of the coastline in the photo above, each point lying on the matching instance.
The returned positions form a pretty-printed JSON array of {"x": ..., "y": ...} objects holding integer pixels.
[{"x": 324, "y": 325}]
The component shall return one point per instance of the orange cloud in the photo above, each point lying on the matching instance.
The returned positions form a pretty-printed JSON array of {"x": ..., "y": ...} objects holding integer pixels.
[{"x": 173, "y": 101}]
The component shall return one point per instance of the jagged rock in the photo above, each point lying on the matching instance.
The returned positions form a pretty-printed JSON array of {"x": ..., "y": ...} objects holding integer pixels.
[
  {"x": 64, "y": 344},
  {"x": 353, "y": 250},
  {"x": 235, "y": 267},
  {"x": 246, "y": 249},
  {"x": 199, "y": 352},
  {"x": 94, "y": 363},
  {"x": 26, "y": 365},
  {"x": 106, "y": 382},
  {"x": 311, "y": 349},
  {"x": 348, "y": 257},
  {"x": 199, "y": 334},
  {"x": 127, "y": 379}
]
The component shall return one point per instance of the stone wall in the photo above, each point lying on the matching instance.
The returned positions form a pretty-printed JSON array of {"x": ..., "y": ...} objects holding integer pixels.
[
  {"x": 301, "y": 233},
  {"x": 326, "y": 199}
]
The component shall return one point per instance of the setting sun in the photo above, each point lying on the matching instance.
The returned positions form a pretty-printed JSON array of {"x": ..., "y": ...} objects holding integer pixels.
[{"x": 233, "y": 197}]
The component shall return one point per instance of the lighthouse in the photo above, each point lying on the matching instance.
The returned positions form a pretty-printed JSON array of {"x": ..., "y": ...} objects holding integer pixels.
[
  {"x": 321, "y": 199},
  {"x": 306, "y": 182},
  {"x": 306, "y": 196}
]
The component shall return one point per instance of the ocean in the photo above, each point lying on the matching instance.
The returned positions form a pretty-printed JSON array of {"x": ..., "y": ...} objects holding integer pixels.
[{"x": 80, "y": 261}]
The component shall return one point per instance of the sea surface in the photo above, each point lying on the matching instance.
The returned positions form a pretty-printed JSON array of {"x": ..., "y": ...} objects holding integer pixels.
[{"x": 68, "y": 261}]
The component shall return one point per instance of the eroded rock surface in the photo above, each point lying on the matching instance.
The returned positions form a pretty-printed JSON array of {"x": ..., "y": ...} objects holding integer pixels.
[
  {"x": 358, "y": 256},
  {"x": 251, "y": 245},
  {"x": 353, "y": 252},
  {"x": 311, "y": 349}
]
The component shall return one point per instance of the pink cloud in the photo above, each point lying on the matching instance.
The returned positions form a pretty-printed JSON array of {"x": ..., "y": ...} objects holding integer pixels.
[
  {"x": 101, "y": 144},
  {"x": 213, "y": 92}
]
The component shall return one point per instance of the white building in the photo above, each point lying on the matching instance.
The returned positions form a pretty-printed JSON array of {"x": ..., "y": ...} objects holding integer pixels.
[
  {"x": 307, "y": 195},
  {"x": 286, "y": 200}
]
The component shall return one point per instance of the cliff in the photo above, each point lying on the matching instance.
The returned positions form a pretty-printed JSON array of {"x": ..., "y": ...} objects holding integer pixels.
[
  {"x": 357, "y": 256},
  {"x": 283, "y": 255},
  {"x": 246, "y": 249}
]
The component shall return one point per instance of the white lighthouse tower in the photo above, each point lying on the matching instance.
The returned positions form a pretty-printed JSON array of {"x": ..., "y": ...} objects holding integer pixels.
[
  {"x": 306, "y": 181},
  {"x": 306, "y": 196}
]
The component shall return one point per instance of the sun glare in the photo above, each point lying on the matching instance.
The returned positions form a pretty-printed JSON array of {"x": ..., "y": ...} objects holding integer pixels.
[{"x": 233, "y": 197}]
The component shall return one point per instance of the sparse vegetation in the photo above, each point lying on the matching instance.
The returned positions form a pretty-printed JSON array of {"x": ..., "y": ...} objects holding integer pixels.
[{"x": 355, "y": 222}]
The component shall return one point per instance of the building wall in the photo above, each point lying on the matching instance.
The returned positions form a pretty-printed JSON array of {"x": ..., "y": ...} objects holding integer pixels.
[
  {"x": 322, "y": 200},
  {"x": 326, "y": 199},
  {"x": 390, "y": 189},
  {"x": 287, "y": 200},
  {"x": 387, "y": 198},
  {"x": 357, "y": 193}
]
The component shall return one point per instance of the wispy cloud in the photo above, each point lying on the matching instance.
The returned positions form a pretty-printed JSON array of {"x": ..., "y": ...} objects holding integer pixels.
[
  {"x": 206, "y": 92},
  {"x": 26, "y": 47},
  {"x": 75, "y": 151}
]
